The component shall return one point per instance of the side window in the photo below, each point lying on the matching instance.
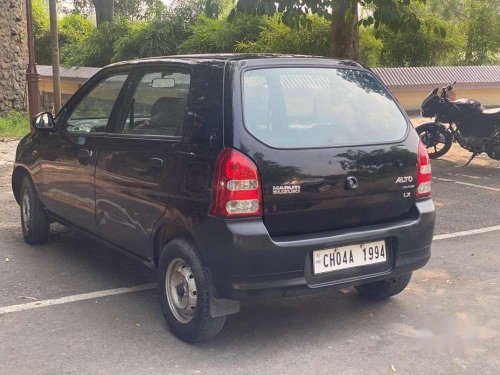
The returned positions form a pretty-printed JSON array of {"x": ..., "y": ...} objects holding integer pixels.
[
  {"x": 159, "y": 104},
  {"x": 91, "y": 115}
]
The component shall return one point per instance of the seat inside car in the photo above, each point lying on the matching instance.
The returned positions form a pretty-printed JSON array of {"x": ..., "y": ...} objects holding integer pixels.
[{"x": 167, "y": 116}]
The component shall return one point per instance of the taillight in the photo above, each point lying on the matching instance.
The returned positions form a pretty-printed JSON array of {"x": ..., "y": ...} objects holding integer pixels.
[
  {"x": 237, "y": 191},
  {"x": 424, "y": 172}
]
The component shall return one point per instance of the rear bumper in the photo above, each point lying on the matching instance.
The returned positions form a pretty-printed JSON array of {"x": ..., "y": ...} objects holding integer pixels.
[{"x": 246, "y": 263}]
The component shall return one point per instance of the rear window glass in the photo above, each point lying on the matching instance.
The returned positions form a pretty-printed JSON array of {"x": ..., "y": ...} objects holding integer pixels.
[{"x": 319, "y": 107}]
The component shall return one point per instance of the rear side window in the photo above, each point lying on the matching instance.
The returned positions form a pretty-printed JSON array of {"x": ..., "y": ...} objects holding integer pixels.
[
  {"x": 319, "y": 107},
  {"x": 158, "y": 106}
]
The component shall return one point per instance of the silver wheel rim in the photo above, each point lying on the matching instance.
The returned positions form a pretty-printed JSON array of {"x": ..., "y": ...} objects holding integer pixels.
[
  {"x": 180, "y": 288},
  {"x": 26, "y": 212}
]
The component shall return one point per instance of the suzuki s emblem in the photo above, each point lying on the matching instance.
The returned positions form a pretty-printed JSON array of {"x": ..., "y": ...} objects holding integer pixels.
[{"x": 351, "y": 183}]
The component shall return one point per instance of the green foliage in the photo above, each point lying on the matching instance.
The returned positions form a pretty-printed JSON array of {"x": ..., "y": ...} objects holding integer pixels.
[
  {"x": 41, "y": 30},
  {"x": 14, "y": 124},
  {"x": 144, "y": 39},
  {"x": 428, "y": 46},
  {"x": 73, "y": 29},
  {"x": 218, "y": 35},
  {"x": 96, "y": 49},
  {"x": 276, "y": 37},
  {"x": 392, "y": 32},
  {"x": 483, "y": 32},
  {"x": 294, "y": 13},
  {"x": 370, "y": 47}
]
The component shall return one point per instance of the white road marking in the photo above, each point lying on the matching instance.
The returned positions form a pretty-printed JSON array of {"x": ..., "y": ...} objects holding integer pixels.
[
  {"x": 74, "y": 298},
  {"x": 467, "y": 184},
  {"x": 466, "y": 233},
  {"x": 138, "y": 288}
]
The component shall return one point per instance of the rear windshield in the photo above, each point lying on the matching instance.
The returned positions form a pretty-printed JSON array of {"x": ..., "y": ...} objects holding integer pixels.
[{"x": 319, "y": 107}]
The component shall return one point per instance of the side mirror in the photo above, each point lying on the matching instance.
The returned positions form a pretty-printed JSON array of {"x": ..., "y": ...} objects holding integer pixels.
[{"x": 44, "y": 121}]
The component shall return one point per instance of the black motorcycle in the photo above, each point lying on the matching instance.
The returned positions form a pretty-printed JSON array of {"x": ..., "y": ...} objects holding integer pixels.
[{"x": 467, "y": 122}]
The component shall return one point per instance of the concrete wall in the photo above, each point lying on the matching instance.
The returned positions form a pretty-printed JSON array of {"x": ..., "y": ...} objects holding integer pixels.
[
  {"x": 13, "y": 56},
  {"x": 412, "y": 100}
]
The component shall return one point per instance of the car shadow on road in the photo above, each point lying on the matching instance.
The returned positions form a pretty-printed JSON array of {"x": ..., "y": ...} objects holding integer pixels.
[
  {"x": 313, "y": 319},
  {"x": 309, "y": 318}
]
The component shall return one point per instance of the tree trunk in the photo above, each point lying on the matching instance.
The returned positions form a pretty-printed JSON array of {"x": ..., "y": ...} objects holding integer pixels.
[
  {"x": 345, "y": 31},
  {"x": 104, "y": 11}
]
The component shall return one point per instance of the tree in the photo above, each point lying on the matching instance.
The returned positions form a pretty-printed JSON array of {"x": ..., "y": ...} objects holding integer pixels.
[
  {"x": 343, "y": 14},
  {"x": 479, "y": 21},
  {"x": 41, "y": 31},
  {"x": 105, "y": 10},
  {"x": 483, "y": 31},
  {"x": 429, "y": 46}
]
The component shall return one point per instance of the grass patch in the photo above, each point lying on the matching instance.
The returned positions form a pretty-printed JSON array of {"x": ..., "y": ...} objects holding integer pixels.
[{"x": 14, "y": 124}]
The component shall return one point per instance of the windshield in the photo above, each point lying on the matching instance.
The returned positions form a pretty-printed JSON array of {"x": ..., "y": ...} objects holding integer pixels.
[{"x": 319, "y": 107}]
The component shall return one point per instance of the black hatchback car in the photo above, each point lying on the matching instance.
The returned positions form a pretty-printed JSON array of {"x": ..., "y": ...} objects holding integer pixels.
[{"x": 237, "y": 177}]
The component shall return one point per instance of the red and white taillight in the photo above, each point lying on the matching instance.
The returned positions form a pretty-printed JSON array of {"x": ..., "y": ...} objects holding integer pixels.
[
  {"x": 237, "y": 191},
  {"x": 424, "y": 172}
]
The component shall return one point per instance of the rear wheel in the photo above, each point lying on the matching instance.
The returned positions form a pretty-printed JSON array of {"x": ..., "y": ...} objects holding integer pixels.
[
  {"x": 385, "y": 288},
  {"x": 185, "y": 293},
  {"x": 34, "y": 219},
  {"x": 436, "y": 140}
]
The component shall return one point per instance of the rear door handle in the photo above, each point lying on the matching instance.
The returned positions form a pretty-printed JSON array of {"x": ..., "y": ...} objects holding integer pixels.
[
  {"x": 155, "y": 163},
  {"x": 153, "y": 167},
  {"x": 84, "y": 154},
  {"x": 186, "y": 153}
]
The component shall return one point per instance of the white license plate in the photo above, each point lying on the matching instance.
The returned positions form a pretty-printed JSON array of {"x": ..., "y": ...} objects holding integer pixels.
[{"x": 351, "y": 256}]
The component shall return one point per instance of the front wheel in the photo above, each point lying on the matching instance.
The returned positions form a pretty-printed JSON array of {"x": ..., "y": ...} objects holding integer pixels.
[
  {"x": 435, "y": 138},
  {"x": 184, "y": 288},
  {"x": 34, "y": 219}
]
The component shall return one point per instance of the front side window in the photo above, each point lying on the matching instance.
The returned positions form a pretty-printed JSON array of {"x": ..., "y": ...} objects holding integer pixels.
[
  {"x": 319, "y": 107},
  {"x": 91, "y": 115},
  {"x": 159, "y": 105}
]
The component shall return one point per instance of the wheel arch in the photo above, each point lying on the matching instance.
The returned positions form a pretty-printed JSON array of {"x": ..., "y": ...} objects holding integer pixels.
[
  {"x": 17, "y": 178},
  {"x": 166, "y": 232}
]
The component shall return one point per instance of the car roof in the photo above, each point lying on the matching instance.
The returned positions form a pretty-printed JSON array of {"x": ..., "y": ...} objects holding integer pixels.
[{"x": 223, "y": 58}]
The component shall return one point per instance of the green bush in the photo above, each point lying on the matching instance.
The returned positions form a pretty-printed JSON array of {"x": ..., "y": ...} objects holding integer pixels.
[
  {"x": 276, "y": 37},
  {"x": 218, "y": 35},
  {"x": 41, "y": 31},
  {"x": 438, "y": 42},
  {"x": 97, "y": 48},
  {"x": 73, "y": 29},
  {"x": 14, "y": 124},
  {"x": 370, "y": 47},
  {"x": 145, "y": 39}
]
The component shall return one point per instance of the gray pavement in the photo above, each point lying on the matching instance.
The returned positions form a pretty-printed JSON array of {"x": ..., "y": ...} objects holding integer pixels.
[{"x": 445, "y": 322}]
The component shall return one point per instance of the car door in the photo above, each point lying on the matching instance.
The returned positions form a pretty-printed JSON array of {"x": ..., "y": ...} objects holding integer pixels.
[
  {"x": 136, "y": 170},
  {"x": 70, "y": 155}
]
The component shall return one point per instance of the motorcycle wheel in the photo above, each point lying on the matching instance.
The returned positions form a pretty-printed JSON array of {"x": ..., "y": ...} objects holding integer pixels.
[{"x": 436, "y": 139}]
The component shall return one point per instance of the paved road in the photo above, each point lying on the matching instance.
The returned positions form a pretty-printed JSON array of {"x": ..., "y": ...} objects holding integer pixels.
[{"x": 446, "y": 322}]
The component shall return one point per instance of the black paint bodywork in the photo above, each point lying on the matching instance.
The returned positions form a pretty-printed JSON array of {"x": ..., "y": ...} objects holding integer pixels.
[{"x": 113, "y": 187}]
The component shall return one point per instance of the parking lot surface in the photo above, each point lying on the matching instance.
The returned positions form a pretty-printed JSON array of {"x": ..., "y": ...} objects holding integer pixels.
[{"x": 445, "y": 322}]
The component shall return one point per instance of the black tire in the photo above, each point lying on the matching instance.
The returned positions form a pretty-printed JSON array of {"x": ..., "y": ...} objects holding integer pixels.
[
  {"x": 433, "y": 135},
  {"x": 34, "y": 219},
  {"x": 202, "y": 326},
  {"x": 385, "y": 288}
]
